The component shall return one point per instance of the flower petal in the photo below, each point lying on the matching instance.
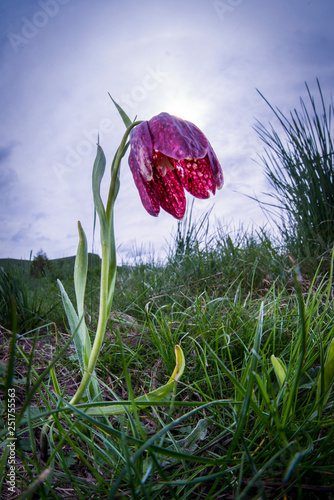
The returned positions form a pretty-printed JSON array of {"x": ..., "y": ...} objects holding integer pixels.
[
  {"x": 142, "y": 150},
  {"x": 146, "y": 190},
  {"x": 170, "y": 193},
  {"x": 216, "y": 168},
  {"x": 197, "y": 177},
  {"x": 177, "y": 138}
]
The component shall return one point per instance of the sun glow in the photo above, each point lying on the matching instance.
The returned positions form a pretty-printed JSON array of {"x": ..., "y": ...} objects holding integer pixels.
[{"x": 192, "y": 110}]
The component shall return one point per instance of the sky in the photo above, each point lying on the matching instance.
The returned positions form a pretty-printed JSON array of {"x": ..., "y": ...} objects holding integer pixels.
[{"x": 201, "y": 60}]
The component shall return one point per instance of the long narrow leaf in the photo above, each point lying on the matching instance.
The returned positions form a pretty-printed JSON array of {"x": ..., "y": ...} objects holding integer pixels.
[
  {"x": 98, "y": 172},
  {"x": 126, "y": 120},
  {"x": 242, "y": 416},
  {"x": 80, "y": 338},
  {"x": 80, "y": 270},
  {"x": 326, "y": 376},
  {"x": 280, "y": 369},
  {"x": 152, "y": 397}
]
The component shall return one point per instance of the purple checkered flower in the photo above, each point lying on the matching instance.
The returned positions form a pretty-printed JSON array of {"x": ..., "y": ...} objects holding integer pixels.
[{"x": 169, "y": 155}]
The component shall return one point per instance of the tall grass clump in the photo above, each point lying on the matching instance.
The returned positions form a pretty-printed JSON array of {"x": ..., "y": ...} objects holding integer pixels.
[
  {"x": 19, "y": 305},
  {"x": 252, "y": 416},
  {"x": 300, "y": 168},
  {"x": 226, "y": 258},
  {"x": 190, "y": 233}
]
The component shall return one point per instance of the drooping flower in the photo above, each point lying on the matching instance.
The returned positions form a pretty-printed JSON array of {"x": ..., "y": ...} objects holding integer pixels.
[{"x": 169, "y": 155}]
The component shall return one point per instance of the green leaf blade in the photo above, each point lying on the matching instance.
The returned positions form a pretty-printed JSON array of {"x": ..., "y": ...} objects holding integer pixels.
[
  {"x": 98, "y": 172},
  {"x": 280, "y": 369},
  {"x": 145, "y": 400},
  {"x": 81, "y": 339},
  {"x": 80, "y": 270},
  {"x": 126, "y": 120}
]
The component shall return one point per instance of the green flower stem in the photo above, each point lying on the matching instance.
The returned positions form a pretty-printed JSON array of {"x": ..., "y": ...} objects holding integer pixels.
[
  {"x": 108, "y": 269},
  {"x": 101, "y": 328},
  {"x": 113, "y": 190}
]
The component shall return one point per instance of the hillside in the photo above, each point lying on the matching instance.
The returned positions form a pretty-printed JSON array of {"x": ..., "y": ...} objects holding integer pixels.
[{"x": 65, "y": 263}]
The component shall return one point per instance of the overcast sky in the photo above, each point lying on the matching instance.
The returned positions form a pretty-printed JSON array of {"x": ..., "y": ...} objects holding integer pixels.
[{"x": 200, "y": 60}]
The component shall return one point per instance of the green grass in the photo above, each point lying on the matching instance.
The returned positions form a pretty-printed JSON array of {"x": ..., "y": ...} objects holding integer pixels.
[
  {"x": 233, "y": 428},
  {"x": 299, "y": 164}
]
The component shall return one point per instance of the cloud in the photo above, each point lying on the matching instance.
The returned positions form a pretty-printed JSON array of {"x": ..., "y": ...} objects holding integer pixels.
[
  {"x": 53, "y": 96},
  {"x": 8, "y": 177},
  {"x": 5, "y": 152}
]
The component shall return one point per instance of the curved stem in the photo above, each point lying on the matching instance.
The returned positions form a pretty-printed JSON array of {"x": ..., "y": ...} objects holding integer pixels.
[
  {"x": 115, "y": 169},
  {"x": 100, "y": 331},
  {"x": 108, "y": 265}
]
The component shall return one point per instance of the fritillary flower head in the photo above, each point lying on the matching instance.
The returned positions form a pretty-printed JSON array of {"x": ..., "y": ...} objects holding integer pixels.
[{"x": 167, "y": 156}]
